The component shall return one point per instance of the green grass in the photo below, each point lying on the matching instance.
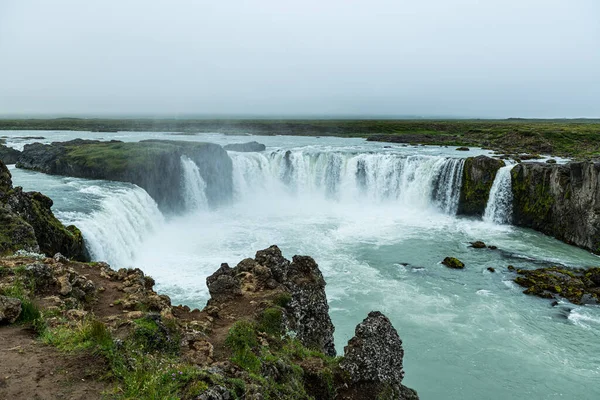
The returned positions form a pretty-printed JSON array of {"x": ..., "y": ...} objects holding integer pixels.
[
  {"x": 577, "y": 137},
  {"x": 30, "y": 313}
]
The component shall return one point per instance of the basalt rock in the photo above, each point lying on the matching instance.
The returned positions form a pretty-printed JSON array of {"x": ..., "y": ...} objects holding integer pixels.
[
  {"x": 8, "y": 155},
  {"x": 154, "y": 165},
  {"x": 478, "y": 177},
  {"x": 27, "y": 223},
  {"x": 579, "y": 286},
  {"x": 245, "y": 147},
  {"x": 373, "y": 362},
  {"x": 453, "y": 263},
  {"x": 562, "y": 201}
]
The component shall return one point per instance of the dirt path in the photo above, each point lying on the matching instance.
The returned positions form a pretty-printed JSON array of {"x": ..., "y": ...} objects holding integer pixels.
[{"x": 31, "y": 370}]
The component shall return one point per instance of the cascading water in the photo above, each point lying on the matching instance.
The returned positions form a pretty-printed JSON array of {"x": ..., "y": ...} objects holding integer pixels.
[
  {"x": 194, "y": 187},
  {"x": 418, "y": 181},
  {"x": 114, "y": 232},
  {"x": 499, "y": 205}
]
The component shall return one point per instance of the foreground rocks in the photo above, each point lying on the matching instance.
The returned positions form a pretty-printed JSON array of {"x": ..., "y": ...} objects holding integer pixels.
[
  {"x": 453, "y": 263},
  {"x": 154, "y": 165},
  {"x": 265, "y": 332},
  {"x": 579, "y": 286},
  {"x": 27, "y": 223},
  {"x": 562, "y": 201}
]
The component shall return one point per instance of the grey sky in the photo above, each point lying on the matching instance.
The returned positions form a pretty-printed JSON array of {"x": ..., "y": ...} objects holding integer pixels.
[{"x": 486, "y": 58}]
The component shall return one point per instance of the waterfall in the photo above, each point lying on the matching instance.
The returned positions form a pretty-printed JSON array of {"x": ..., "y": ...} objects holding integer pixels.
[
  {"x": 125, "y": 217},
  {"x": 194, "y": 187},
  {"x": 417, "y": 181},
  {"x": 499, "y": 205}
]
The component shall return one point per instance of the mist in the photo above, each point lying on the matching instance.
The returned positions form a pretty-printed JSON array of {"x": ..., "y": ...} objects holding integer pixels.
[{"x": 459, "y": 58}]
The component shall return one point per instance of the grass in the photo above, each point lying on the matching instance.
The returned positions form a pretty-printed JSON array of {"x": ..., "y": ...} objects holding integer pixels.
[
  {"x": 577, "y": 137},
  {"x": 30, "y": 313}
]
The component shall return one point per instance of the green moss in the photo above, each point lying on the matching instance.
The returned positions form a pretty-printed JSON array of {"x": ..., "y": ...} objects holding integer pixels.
[
  {"x": 270, "y": 321},
  {"x": 282, "y": 300},
  {"x": 454, "y": 263},
  {"x": 152, "y": 334}
]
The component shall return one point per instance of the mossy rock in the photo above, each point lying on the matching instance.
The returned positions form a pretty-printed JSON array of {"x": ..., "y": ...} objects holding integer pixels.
[
  {"x": 478, "y": 177},
  {"x": 453, "y": 263},
  {"x": 571, "y": 284}
]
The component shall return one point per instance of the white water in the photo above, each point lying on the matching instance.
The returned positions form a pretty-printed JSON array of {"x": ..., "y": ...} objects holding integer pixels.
[
  {"x": 115, "y": 231},
  {"x": 419, "y": 181},
  {"x": 194, "y": 187},
  {"x": 499, "y": 205}
]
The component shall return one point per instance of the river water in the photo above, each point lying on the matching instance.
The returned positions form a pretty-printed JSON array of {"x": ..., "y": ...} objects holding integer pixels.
[{"x": 378, "y": 219}]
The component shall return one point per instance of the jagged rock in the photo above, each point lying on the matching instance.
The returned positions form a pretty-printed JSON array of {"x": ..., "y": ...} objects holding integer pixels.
[
  {"x": 478, "y": 176},
  {"x": 9, "y": 155},
  {"x": 42, "y": 275},
  {"x": 60, "y": 258},
  {"x": 65, "y": 286},
  {"x": 274, "y": 260},
  {"x": 215, "y": 393},
  {"x": 10, "y": 309},
  {"x": 224, "y": 284},
  {"x": 373, "y": 361},
  {"x": 154, "y": 165},
  {"x": 308, "y": 306},
  {"x": 27, "y": 223},
  {"x": 454, "y": 263},
  {"x": 562, "y": 201},
  {"x": 245, "y": 147}
]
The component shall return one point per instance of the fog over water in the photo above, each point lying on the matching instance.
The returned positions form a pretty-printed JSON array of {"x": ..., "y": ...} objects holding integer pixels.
[{"x": 494, "y": 58}]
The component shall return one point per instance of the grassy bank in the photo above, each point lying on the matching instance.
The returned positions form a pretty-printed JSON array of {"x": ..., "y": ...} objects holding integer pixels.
[{"x": 575, "y": 138}]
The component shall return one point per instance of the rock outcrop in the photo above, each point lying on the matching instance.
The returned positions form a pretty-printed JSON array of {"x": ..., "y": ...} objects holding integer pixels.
[
  {"x": 154, "y": 165},
  {"x": 306, "y": 312},
  {"x": 579, "y": 286},
  {"x": 562, "y": 201},
  {"x": 373, "y": 361},
  {"x": 27, "y": 223},
  {"x": 8, "y": 155},
  {"x": 478, "y": 177},
  {"x": 245, "y": 147}
]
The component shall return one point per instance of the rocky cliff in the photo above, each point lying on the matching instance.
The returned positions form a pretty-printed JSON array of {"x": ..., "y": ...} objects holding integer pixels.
[
  {"x": 27, "y": 223},
  {"x": 154, "y": 165},
  {"x": 9, "y": 155},
  {"x": 478, "y": 178},
  {"x": 559, "y": 200},
  {"x": 264, "y": 334}
]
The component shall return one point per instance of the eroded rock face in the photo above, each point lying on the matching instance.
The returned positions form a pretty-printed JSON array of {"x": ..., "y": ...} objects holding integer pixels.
[
  {"x": 373, "y": 361},
  {"x": 10, "y": 309},
  {"x": 9, "y": 155},
  {"x": 478, "y": 177},
  {"x": 245, "y": 147},
  {"x": 559, "y": 200},
  {"x": 154, "y": 165},
  {"x": 27, "y": 223}
]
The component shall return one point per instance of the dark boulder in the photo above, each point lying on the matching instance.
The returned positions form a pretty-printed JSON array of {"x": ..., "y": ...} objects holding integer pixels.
[
  {"x": 478, "y": 245},
  {"x": 373, "y": 362},
  {"x": 576, "y": 285},
  {"x": 454, "y": 263},
  {"x": 245, "y": 147}
]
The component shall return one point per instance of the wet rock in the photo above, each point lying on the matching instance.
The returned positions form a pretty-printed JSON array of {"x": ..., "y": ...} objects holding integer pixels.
[
  {"x": 478, "y": 245},
  {"x": 454, "y": 263},
  {"x": 245, "y": 147},
  {"x": 491, "y": 269},
  {"x": 493, "y": 247},
  {"x": 572, "y": 284},
  {"x": 511, "y": 268},
  {"x": 462, "y": 149},
  {"x": 478, "y": 177},
  {"x": 373, "y": 361},
  {"x": 551, "y": 161},
  {"x": 10, "y": 309}
]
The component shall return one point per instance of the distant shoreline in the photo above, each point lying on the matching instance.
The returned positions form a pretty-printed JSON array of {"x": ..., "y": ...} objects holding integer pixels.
[{"x": 560, "y": 137}]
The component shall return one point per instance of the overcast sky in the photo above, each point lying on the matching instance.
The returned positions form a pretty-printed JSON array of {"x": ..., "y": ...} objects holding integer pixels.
[{"x": 463, "y": 58}]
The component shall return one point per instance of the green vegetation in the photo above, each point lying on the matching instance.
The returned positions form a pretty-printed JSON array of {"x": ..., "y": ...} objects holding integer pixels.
[
  {"x": 577, "y": 137},
  {"x": 20, "y": 289}
]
